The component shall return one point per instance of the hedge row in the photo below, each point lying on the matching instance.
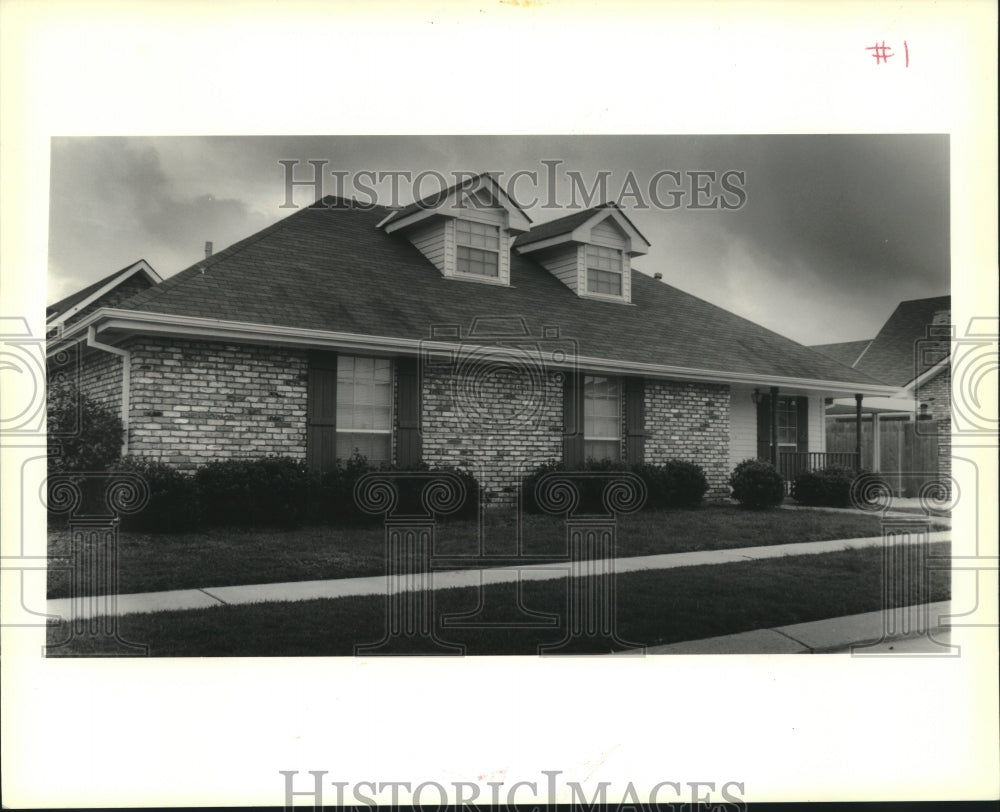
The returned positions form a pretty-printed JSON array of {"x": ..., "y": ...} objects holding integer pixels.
[
  {"x": 264, "y": 492},
  {"x": 272, "y": 491},
  {"x": 676, "y": 483}
]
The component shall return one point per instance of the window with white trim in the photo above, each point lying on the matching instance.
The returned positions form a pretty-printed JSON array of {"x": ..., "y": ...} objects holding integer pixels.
[
  {"x": 604, "y": 270},
  {"x": 602, "y": 418},
  {"x": 478, "y": 248},
  {"x": 364, "y": 408},
  {"x": 787, "y": 420}
]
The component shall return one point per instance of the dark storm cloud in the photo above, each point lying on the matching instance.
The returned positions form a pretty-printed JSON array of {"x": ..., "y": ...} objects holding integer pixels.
[{"x": 112, "y": 203}]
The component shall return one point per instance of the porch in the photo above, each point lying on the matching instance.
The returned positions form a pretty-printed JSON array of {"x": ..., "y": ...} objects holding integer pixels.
[{"x": 793, "y": 463}]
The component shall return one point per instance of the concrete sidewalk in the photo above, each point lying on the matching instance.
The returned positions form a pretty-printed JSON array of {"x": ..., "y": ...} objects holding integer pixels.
[
  {"x": 908, "y": 630},
  {"x": 94, "y": 606}
]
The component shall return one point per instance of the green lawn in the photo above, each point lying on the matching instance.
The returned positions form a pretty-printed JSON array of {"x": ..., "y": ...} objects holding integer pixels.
[
  {"x": 227, "y": 557},
  {"x": 652, "y": 607}
]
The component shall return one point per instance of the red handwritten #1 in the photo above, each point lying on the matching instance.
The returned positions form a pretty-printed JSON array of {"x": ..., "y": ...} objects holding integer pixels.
[{"x": 883, "y": 53}]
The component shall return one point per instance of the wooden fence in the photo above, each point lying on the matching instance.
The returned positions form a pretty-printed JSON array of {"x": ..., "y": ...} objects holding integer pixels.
[{"x": 908, "y": 450}]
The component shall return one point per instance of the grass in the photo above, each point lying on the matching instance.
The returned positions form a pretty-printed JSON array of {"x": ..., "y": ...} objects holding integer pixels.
[
  {"x": 153, "y": 562},
  {"x": 652, "y": 607}
]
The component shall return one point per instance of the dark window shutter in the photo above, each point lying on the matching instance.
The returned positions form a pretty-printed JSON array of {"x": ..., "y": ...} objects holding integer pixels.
[
  {"x": 764, "y": 428},
  {"x": 635, "y": 420},
  {"x": 573, "y": 420},
  {"x": 321, "y": 411},
  {"x": 408, "y": 446},
  {"x": 802, "y": 424}
]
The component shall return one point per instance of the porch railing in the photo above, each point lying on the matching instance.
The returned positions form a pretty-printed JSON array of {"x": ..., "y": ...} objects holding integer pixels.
[{"x": 793, "y": 463}]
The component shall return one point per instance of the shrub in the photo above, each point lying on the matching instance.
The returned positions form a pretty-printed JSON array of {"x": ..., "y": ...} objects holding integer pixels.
[
  {"x": 676, "y": 483},
  {"x": 757, "y": 484},
  {"x": 591, "y": 491},
  {"x": 173, "y": 498},
  {"x": 830, "y": 487},
  {"x": 410, "y": 491},
  {"x": 84, "y": 439},
  {"x": 83, "y": 434},
  {"x": 275, "y": 491},
  {"x": 530, "y": 483}
]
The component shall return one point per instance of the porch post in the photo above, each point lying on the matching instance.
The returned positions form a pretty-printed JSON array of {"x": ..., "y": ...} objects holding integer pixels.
[
  {"x": 876, "y": 441},
  {"x": 774, "y": 425},
  {"x": 857, "y": 430}
]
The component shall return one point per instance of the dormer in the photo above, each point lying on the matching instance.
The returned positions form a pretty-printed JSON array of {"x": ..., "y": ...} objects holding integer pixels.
[
  {"x": 589, "y": 251},
  {"x": 465, "y": 231}
]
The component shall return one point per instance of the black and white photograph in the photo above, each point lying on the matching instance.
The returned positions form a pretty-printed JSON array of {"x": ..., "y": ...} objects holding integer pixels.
[
  {"x": 552, "y": 404},
  {"x": 498, "y": 404}
]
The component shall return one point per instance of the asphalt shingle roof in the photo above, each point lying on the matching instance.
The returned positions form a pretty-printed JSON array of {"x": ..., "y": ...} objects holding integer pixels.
[
  {"x": 846, "y": 352},
  {"x": 328, "y": 267},
  {"x": 561, "y": 225},
  {"x": 893, "y": 355}
]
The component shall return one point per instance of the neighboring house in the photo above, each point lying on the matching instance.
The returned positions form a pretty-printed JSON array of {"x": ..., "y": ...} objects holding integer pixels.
[
  {"x": 909, "y": 432},
  {"x": 110, "y": 291},
  {"x": 450, "y": 332}
]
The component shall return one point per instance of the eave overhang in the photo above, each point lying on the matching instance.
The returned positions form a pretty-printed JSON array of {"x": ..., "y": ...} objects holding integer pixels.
[{"x": 115, "y": 325}]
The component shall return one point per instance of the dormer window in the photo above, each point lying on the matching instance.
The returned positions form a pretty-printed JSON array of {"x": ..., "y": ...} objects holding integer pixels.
[
  {"x": 604, "y": 270},
  {"x": 478, "y": 248},
  {"x": 590, "y": 252},
  {"x": 465, "y": 231}
]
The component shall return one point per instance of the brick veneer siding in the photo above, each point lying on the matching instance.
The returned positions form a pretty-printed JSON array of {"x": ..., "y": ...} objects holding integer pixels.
[
  {"x": 193, "y": 402},
  {"x": 197, "y": 401},
  {"x": 497, "y": 426},
  {"x": 100, "y": 379},
  {"x": 937, "y": 393},
  {"x": 690, "y": 421}
]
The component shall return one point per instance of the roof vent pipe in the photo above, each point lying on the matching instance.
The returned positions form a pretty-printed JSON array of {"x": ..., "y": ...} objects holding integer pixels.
[
  {"x": 208, "y": 250},
  {"x": 657, "y": 275}
]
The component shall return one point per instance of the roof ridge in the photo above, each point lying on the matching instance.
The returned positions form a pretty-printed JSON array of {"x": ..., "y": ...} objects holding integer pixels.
[{"x": 436, "y": 198}]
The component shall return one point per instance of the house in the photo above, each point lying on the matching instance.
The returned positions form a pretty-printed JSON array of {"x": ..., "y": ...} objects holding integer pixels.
[
  {"x": 110, "y": 291},
  {"x": 909, "y": 433},
  {"x": 454, "y": 332}
]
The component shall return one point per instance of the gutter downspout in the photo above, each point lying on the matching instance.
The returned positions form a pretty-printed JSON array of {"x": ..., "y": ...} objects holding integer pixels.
[{"x": 126, "y": 357}]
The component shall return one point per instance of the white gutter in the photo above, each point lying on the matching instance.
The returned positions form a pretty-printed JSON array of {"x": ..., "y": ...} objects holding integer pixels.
[
  {"x": 198, "y": 327},
  {"x": 126, "y": 378}
]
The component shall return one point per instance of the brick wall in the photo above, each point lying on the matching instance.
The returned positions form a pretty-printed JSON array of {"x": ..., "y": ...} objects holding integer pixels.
[
  {"x": 194, "y": 401},
  {"x": 690, "y": 421},
  {"x": 101, "y": 380},
  {"x": 496, "y": 425},
  {"x": 937, "y": 394}
]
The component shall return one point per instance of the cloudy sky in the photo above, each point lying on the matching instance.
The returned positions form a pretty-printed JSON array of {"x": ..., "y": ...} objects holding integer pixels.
[{"x": 829, "y": 233}]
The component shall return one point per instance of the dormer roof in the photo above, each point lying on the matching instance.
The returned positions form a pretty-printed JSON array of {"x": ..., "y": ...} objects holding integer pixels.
[
  {"x": 576, "y": 228},
  {"x": 476, "y": 192}
]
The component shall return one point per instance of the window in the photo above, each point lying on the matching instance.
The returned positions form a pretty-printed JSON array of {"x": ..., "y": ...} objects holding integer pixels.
[
  {"x": 602, "y": 418},
  {"x": 788, "y": 422},
  {"x": 364, "y": 408},
  {"x": 604, "y": 270},
  {"x": 478, "y": 248}
]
